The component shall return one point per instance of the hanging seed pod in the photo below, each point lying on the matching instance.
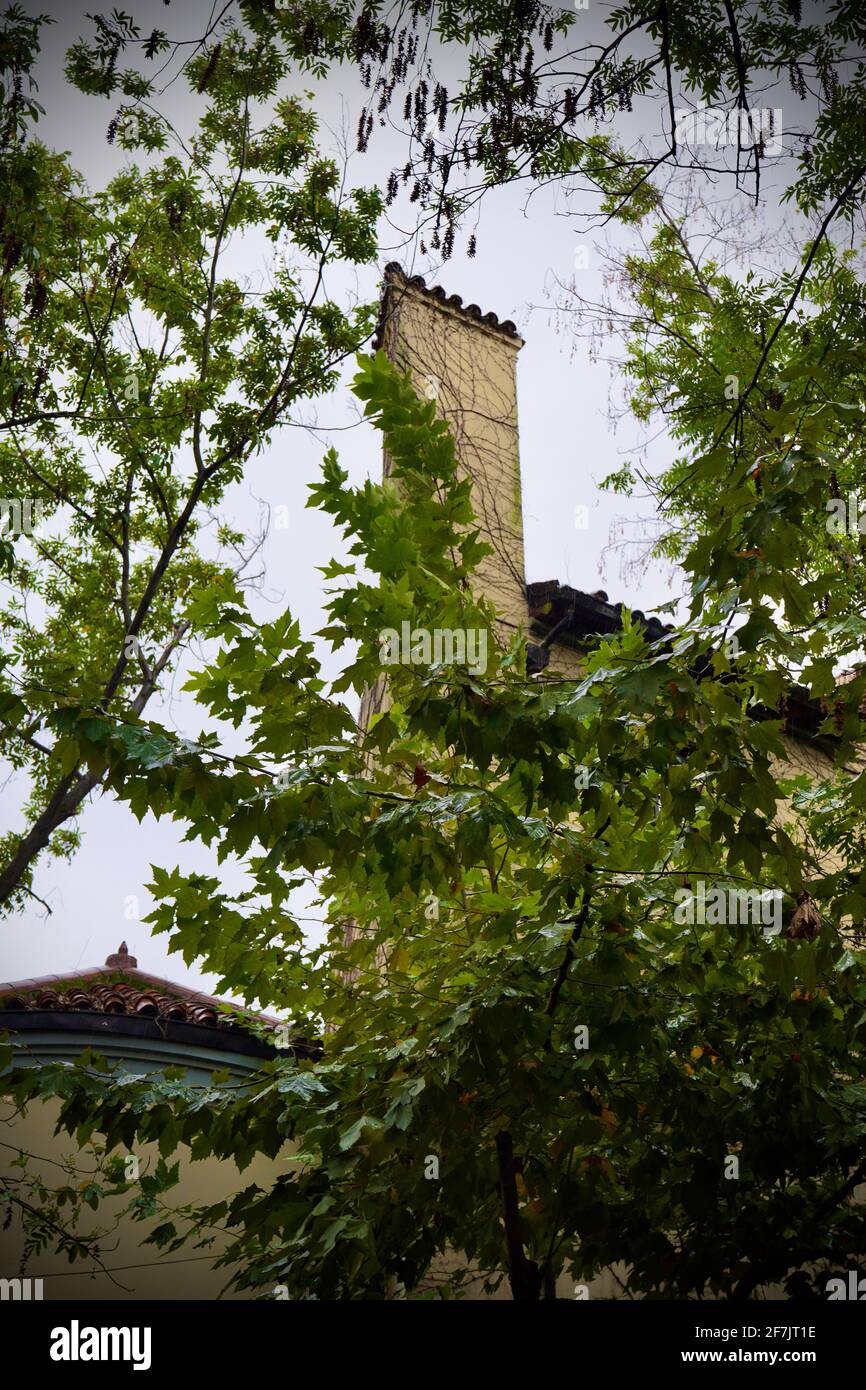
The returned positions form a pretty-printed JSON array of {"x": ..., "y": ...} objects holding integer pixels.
[
  {"x": 471, "y": 248},
  {"x": 12, "y": 252},
  {"x": 597, "y": 108},
  {"x": 311, "y": 38},
  {"x": 393, "y": 188},
  {"x": 805, "y": 922},
  {"x": 210, "y": 68},
  {"x": 797, "y": 80},
  {"x": 527, "y": 78},
  {"x": 364, "y": 36},
  {"x": 14, "y": 107},
  {"x": 421, "y": 107},
  {"x": 440, "y": 105},
  {"x": 111, "y": 64}
]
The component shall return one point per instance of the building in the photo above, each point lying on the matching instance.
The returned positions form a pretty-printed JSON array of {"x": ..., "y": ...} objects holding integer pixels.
[
  {"x": 467, "y": 361},
  {"x": 143, "y": 1024}
]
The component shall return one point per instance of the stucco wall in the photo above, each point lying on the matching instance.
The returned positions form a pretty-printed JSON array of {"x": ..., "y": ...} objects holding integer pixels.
[
  {"x": 133, "y": 1270},
  {"x": 469, "y": 369}
]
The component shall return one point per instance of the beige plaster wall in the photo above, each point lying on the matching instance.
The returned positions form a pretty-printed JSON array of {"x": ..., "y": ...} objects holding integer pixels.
[
  {"x": 470, "y": 370},
  {"x": 133, "y": 1271}
]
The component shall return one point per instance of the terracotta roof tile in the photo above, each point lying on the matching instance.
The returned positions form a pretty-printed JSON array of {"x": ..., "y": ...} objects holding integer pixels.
[
  {"x": 119, "y": 987},
  {"x": 573, "y": 615},
  {"x": 395, "y": 277}
]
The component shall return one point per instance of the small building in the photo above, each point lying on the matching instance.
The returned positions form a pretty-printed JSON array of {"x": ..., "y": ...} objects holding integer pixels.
[{"x": 141, "y": 1024}]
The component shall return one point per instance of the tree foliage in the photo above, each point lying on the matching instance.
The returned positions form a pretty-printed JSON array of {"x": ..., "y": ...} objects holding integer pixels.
[
  {"x": 497, "y": 913},
  {"x": 507, "y": 986},
  {"x": 142, "y": 370}
]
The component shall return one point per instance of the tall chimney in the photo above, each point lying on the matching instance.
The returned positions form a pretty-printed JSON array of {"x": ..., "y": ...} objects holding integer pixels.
[{"x": 467, "y": 361}]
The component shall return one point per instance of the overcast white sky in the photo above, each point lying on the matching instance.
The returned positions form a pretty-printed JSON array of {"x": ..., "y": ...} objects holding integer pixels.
[{"x": 566, "y": 444}]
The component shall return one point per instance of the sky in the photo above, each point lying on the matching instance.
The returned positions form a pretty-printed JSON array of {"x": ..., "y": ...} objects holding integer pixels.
[{"x": 528, "y": 248}]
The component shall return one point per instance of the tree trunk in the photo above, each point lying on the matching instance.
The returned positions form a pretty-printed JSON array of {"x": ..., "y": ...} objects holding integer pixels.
[{"x": 524, "y": 1274}]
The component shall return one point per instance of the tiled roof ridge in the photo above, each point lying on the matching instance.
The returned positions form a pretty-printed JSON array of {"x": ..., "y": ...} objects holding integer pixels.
[
  {"x": 585, "y": 610},
  {"x": 95, "y": 976},
  {"x": 118, "y": 987},
  {"x": 395, "y": 274},
  {"x": 565, "y": 611}
]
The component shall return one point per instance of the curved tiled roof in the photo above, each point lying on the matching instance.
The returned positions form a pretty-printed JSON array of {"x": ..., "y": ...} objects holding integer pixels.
[
  {"x": 142, "y": 998},
  {"x": 120, "y": 988},
  {"x": 395, "y": 276}
]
